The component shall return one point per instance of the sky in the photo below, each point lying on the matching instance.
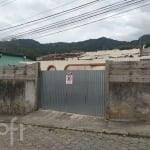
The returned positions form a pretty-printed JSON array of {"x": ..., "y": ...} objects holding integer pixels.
[{"x": 124, "y": 27}]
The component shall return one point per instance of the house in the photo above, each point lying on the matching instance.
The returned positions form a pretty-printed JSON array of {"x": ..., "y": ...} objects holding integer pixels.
[
  {"x": 84, "y": 61},
  {"x": 8, "y": 59}
]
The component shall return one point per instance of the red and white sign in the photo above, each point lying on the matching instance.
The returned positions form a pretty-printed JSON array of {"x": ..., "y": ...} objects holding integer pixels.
[{"x": 69, "y": 79}]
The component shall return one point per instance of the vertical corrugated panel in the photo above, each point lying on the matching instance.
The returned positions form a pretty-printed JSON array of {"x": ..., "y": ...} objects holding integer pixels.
[{"x": 85, "y": 95}]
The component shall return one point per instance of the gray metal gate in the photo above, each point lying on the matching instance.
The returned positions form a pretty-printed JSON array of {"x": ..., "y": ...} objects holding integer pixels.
[{"x": 85, "y": 95}]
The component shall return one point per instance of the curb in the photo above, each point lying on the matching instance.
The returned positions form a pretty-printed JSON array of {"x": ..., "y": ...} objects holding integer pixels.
[{"x": 104, "y": 131}]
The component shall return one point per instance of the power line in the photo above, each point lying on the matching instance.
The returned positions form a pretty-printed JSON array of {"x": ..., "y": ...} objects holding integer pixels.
[
  {"x": 88, "y": 14},
  {"x": 6, "y": 2},
  {"x": 81, "y": 17},
  {"x": 46, "y": 11},
  {"x": 49, "y": 10},
  {"x": 111, "y": 16},
  {"x": 53, "y": 15},
  {"x": 76, "y": 17},
  {"x": 42, "y": 12}
]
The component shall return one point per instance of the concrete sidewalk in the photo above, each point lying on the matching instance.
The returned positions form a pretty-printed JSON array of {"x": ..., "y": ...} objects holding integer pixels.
[
  {"x": 69, "y": 121},
  {"x": 77, "y": 122}
]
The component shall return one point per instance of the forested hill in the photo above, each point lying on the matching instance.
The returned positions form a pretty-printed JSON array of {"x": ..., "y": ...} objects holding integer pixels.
[{"x": 34, "y": 49}]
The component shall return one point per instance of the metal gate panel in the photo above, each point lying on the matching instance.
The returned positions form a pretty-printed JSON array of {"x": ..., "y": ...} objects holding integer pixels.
[{"x": 84, "y": 96}]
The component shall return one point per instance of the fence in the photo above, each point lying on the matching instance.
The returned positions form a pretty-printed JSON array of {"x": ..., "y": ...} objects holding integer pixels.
[
  {"x": 128, "y": 90},
  {"x": 145, "y": 52},
  {"x": 18, "y": 89}
]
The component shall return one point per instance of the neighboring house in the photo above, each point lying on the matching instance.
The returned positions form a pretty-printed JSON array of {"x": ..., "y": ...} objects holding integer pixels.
[
  {"x": 72, "y": 65},
  {"x": 85, "y": 61},
  {"x": 6, "y": 60},
  {"x": 70, "y": 61}
]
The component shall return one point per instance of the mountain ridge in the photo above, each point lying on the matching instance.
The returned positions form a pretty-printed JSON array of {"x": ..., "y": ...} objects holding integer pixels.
[{"x": 33, "y": 49}]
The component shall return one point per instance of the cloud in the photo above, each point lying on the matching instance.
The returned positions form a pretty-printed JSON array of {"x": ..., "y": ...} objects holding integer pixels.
[{"x": 127, "y": 26}]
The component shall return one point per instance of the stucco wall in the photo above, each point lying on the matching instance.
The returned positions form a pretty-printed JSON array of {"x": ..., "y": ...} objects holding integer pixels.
[{"x": 18, "y": 89}]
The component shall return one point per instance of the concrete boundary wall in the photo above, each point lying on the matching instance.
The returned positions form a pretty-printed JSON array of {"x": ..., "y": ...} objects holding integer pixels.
[
  {"x": 145, "y": 52},
  {"x": 128, "y": 90},
  {"x": 19, "y": 89}
]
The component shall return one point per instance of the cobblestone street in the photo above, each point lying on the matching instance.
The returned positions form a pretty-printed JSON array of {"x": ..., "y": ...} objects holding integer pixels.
[{"x": 37, "y": 138}]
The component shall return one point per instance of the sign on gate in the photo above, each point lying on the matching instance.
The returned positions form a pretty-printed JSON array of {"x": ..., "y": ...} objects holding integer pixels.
[{"x": 69, "y": 78}]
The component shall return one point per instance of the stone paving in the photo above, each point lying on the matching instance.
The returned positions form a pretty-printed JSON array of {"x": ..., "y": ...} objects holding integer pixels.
[{"x": 38, "y": 138}]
